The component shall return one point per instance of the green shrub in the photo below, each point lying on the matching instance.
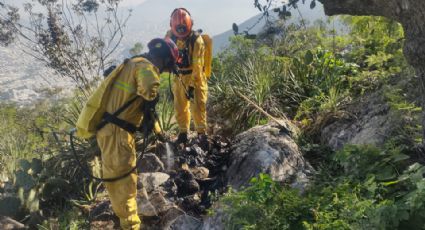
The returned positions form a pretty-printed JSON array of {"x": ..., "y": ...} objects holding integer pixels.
[{"x": 362, "y": 187}]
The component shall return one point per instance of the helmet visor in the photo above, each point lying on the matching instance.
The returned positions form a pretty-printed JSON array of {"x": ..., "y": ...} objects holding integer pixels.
[{"x": 181, "y": 29}]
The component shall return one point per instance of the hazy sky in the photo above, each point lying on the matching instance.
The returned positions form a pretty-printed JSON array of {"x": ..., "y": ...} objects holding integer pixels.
[
  {"x": 214, "y": 16},
  {"x": 132, "y": 2}
]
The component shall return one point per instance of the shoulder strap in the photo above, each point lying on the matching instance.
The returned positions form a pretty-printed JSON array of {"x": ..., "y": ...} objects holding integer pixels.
[
  {"x": 118, "y": 112},
  {"x": 195, "y": 35}
]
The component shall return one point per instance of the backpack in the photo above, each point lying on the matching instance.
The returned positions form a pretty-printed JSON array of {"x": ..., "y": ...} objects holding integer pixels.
[
  {"x": 208, "y": 54},
  {"x": 91, "y": 116}
]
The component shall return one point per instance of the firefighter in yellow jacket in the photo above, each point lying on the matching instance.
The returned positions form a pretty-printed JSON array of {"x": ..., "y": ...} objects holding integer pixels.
[
  {"x": 191, "y": 84},
  {"x": 137, "y": 76}
]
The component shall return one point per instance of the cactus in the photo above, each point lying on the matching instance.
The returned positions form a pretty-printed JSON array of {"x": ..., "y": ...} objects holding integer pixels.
[
  {"x": 30, "y": 200},
  {"x": 24, "y": 165},
  {"x": 24, "y": 180},
  {"x": 54, "y": 189},
  {"x": 36, "y": 166},
  {"x": 10, "y": 206}
]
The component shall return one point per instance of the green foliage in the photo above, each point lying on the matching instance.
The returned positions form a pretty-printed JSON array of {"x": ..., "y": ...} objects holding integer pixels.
[
  {"x": 258, "y": 76},
  {"x": 165, "y": 107},
  {"x": 308, "y": 72},
  {"x": 10, "y": 206},
  {"x": 25, "y": 133},
  {"x": 71, "y": 219},
  {"x": 360, "y": 187},
  {"x": 257, "y": 206}
]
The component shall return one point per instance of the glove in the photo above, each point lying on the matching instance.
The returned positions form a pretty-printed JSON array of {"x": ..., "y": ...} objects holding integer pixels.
[{"x": 191, "y": 93}]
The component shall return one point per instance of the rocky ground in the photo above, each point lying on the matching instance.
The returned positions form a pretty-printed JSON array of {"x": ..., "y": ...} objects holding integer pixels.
[
  {"x": 179, "y": 184},
  {"x": 177, "y": 187}
]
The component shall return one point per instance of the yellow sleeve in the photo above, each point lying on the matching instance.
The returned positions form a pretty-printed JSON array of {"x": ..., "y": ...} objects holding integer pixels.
[
  {"x": 147, "y": 79},
  {"x": 197, "y": 59}
]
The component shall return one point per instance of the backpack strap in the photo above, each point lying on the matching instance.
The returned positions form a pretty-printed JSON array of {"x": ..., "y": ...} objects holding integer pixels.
[{"x": 113, "y": 118}]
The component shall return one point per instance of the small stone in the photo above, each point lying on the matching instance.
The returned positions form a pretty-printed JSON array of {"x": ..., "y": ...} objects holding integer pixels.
[
  {"x": 151, "y": 181},
  {"x": 146, "y": 209},
  {"x": 172, "y": 214},
  {"x": 150, "y": 163},
  {"x": 144, "y": 206},
  {"x": 159, "y": 202},
  {"x": 7, "y": 223},
  {"x": 101, "y": 211},
  {"x": 200, "y": 172}
]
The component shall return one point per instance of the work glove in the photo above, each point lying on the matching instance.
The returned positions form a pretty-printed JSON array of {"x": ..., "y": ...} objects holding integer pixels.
[{"x": 191, "y": 93}]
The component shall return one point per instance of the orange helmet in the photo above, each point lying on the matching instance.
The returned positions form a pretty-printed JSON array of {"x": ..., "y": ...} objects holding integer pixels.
[{"x": 181, "y": 23}]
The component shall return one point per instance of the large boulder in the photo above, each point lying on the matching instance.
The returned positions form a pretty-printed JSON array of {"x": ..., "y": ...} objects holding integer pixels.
[
  {"x": 216, "y": 221},
  {"x": 366, "y": 121},
  {"x": 266, "y": 149},
  {"x": 186, "y": 222}
]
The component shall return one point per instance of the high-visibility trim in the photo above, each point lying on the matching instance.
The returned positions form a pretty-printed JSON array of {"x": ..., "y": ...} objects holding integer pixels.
[
  {"x": 144, "y": 73},
  {"x": 124, "y": 86}
]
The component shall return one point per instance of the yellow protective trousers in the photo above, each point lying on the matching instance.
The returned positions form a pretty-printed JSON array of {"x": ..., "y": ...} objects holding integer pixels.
[
  {"x": 118, "y": 158},
  {"x": 184, "y": 108}
]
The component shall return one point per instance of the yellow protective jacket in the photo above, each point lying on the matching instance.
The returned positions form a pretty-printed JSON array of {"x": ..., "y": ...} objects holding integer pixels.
[
  {"x": 196, "y": 53},
  {"x": 137, "y": 76}
]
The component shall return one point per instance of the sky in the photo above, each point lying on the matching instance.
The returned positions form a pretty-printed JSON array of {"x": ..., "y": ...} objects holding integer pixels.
[
  {"x": 213, "y": 16},
  {"x": 128, "y": 3}
]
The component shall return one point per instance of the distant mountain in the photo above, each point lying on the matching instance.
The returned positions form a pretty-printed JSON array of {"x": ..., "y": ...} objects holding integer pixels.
[{"x": 310, "y": 15}]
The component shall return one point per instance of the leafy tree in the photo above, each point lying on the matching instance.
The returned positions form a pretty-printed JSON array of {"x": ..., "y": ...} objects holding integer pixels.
[{"x": 75, "y": 38}]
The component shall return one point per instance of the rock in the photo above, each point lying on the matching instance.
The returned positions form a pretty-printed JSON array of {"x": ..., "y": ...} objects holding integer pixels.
[
  {"x": 186, "y": 183},
  {"x": 150, "y": 163},
  {"x": 7, "y": 223},
  {"x": 102, "y": 211},
  {"x": 170, "y": 187},
  {"x": 144, "y": 206},
  {"x": 186, "y": 222},
  {"x": 146, "y": 209},
  {"x": 160, "y": 204},
  {"x": 192, "y": 203},
  {"x": 215, "y": 221},
  {"x": 170, "y": 216},
  {"x": 104, "y": 225},
  {"x": 370, "y": 122},
  {"x": 265, "y": 149},
  {"x": 151, "y": 181},
  {"x": 200, "y": 172}
]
